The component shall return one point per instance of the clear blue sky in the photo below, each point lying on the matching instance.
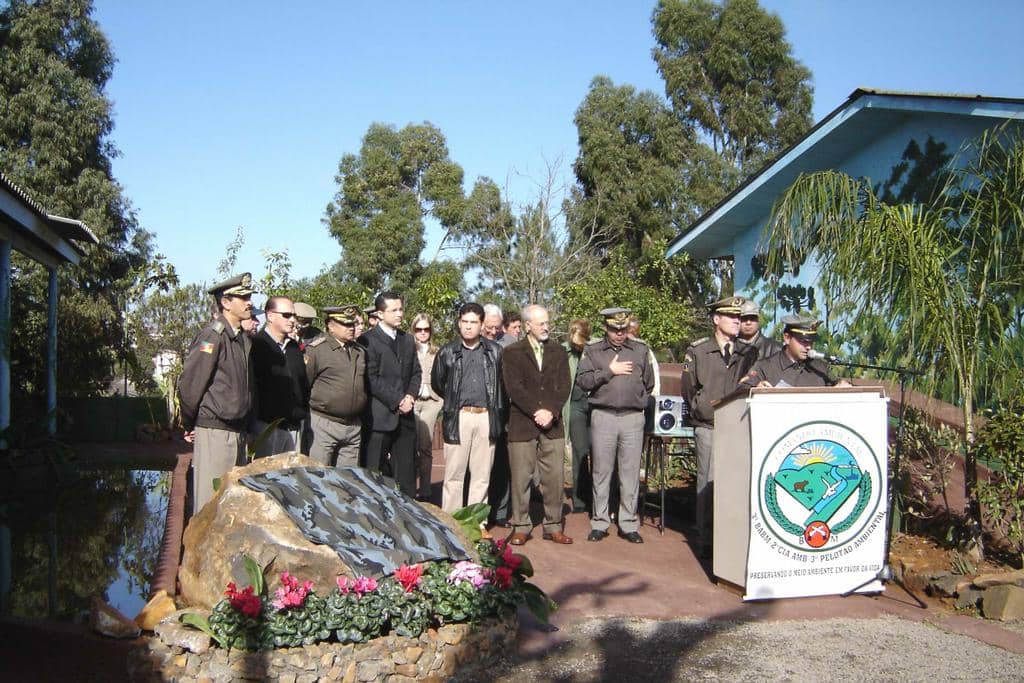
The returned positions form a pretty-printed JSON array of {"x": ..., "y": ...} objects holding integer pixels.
[{"x": 236, "y": 113}]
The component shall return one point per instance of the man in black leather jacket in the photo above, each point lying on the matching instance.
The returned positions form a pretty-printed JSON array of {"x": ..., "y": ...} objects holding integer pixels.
[{"x": 467, "y": 375}]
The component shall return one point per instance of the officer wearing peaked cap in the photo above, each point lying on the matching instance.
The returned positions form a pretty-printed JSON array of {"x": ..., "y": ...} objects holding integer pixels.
[
  {"x": 336, "y": 370},
  {"x": 215, "y": 389},
  {"x": 305, "y": 330},
  {"x": 617, "y": 373},
  {"x": 750, "y": 330},
  {"x": 711, "y": 368},
  {"x": 791, "y": 366}
]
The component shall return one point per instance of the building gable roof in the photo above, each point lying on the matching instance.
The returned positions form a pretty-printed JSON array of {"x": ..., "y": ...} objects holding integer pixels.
[
  {"x": 861, "y": 118},
  {"x": 42, "y": 236}
]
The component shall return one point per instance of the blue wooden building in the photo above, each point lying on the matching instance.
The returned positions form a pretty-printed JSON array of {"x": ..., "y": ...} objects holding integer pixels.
[{"x": 871, "y": 135}]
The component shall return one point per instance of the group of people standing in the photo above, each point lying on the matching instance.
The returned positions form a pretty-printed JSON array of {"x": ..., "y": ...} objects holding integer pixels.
[{"x": 371, "y": 395}]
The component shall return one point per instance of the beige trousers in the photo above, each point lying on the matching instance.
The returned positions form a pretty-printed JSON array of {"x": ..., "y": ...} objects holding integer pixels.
[
  {"x": 475, "y": 452},
  {"x": 214, "y": 453},
  {"x": 427, "y": 410}
]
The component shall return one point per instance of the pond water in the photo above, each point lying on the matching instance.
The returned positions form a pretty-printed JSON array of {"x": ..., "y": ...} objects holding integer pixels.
[{"x": 107, "y": 525}]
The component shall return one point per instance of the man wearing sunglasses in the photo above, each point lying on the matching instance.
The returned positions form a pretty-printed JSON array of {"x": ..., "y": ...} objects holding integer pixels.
[
  {"x": 282, "y": 392},
  {"x": 215, "y": 389}
]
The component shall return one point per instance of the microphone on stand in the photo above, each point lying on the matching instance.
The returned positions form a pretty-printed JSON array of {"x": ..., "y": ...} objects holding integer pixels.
[{"x": 818, "y": 355}]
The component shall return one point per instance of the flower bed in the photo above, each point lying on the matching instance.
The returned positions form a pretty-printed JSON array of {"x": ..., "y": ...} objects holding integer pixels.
[{"x": 406, "y": 603}]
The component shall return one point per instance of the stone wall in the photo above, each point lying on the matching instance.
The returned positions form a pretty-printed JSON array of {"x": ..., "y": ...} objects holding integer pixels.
[{"x": 435, "y": 656}]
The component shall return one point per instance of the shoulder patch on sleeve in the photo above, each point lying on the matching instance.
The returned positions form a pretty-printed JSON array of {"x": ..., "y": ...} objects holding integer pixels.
[{"x": 206, "y": 347}]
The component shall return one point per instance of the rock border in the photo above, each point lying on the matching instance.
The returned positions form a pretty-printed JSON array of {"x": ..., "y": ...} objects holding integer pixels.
[{"x": 435, "y": 656}]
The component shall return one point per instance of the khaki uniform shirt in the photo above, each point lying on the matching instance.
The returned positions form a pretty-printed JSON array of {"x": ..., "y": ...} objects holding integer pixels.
[
  {"x": 337, "y": 378},
  {"x": 616, "y": 392}
]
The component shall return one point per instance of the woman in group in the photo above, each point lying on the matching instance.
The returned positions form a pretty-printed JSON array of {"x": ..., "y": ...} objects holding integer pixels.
[
  {"x": 428, "y": 404},
  {"x": 576, "y": 415}
]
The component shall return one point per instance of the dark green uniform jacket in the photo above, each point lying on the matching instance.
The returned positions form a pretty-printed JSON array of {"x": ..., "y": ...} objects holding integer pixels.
[
  {"x": 780, "y": 367},
  {"x": 337, "y": 378},
  {"x": 215, "y": 389},
  {"x": 707, "y": 377}
]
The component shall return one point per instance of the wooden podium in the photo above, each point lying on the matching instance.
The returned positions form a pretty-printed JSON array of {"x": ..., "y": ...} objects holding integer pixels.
[{"x": 799, "y": 416}]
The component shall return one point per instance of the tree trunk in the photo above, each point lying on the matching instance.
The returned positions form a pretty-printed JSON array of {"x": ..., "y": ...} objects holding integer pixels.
[{"x": 973, "y": 506}]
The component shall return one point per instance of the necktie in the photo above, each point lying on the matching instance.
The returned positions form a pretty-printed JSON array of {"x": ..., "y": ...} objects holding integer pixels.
[{"x": 727, "y": 352}]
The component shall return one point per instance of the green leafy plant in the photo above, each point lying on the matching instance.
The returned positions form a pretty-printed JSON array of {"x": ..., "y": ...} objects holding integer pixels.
[
  {"x": 1001, "y": 443},
  {"x": 470, "y": 519}
]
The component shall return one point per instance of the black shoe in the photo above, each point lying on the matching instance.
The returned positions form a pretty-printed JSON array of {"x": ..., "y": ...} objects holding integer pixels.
[
  {"x": 631, "y": 536},
  {"x": 597, "y": 535}
]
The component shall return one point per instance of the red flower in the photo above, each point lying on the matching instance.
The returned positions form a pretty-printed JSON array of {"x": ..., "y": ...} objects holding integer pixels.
[
  {"x": 511, "y": 560},
  {"x": 245, "y": 601},
  {"x": 408, "y": 576},
  {"x": 502, "y": 577}
]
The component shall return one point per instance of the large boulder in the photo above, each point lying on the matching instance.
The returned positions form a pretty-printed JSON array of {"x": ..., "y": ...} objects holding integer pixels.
[{"x": 241, "y": 522}]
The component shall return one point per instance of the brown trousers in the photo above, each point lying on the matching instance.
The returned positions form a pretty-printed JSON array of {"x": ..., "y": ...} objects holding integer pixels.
[{"x": 545, "y": 456}]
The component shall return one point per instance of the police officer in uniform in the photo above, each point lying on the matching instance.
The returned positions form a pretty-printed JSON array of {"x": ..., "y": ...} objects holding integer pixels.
[
  {"x": 791, "y": 366},
  {"x": 712, "y": 367},
  {"x": 336, "y": 370},
  {"x": 305, "y": 330},
  {"x": 215, "y": 389},
  {"x": 750, "y": 331},
  {"x": 617, "y": 373}
]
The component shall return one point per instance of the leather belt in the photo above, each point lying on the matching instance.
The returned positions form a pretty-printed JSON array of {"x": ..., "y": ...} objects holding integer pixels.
[{"x": 474, "y": 409}]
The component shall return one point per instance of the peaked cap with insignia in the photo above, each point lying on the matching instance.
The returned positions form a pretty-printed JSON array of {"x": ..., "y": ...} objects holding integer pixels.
[
  {"x": 346, "y": 315},
  {"x": 730, "y": 304},
  {"x": 239, "y": 285},
  {"x": 616, "y": 318}
]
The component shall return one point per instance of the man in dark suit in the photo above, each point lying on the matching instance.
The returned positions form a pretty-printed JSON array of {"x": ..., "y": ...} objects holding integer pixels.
[{"x": 393, "y": 375}]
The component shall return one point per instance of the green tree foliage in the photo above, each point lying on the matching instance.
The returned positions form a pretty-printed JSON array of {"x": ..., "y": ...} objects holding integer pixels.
[
  {"x": 667, "y": 321},
  {"x": 54, "y": 65},
  {"x": 330, "y": 287},
  {"x": 437, "y": 292},
  {"x": 730, "y": 74},
  {"x": 632, "y": 166},
  {"x": 944, "y": 275},
  {"x": 399, "y": 178}
]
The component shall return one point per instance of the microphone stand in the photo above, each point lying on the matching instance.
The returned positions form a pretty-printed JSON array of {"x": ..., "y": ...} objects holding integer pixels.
[{"x": 885, "y": 574}]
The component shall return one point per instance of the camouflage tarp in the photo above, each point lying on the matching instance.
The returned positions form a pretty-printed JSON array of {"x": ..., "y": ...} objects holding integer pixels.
[{"x": 359, "y": 514}]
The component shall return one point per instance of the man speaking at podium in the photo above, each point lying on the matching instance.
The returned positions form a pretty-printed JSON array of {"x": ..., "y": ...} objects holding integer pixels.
[{"x": 794, "y": 366}]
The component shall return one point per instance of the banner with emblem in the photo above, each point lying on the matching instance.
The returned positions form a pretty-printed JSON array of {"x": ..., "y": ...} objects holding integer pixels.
[{"x": 818, "y": 482}]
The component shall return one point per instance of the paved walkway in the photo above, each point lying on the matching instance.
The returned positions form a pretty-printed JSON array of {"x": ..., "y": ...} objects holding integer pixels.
[{"x": 659, "y": 580}]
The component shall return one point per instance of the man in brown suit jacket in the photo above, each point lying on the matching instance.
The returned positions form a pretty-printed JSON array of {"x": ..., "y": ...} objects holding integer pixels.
[{"x": 536, "y": 374}]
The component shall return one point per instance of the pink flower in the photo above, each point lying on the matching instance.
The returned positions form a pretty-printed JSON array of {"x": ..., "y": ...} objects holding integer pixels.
[
  {"x": 245, "y": 601},
  {"x": 365, "y": 584},
  {"x": 408, "y": 576},
  {"x": 290, "y": 594},
  {"x": 467, "y": 571}
]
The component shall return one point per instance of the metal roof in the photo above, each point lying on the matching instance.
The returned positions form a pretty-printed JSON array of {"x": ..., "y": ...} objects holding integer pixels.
[
  {"x": 67, "y": 230},
  {"x": 862, "y": 116}
]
